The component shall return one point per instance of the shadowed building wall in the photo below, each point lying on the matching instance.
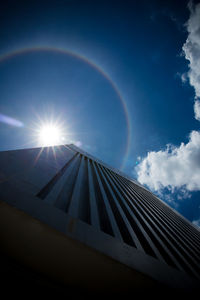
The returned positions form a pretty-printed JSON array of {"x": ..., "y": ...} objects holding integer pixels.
[{"x": 69, "y": 217}]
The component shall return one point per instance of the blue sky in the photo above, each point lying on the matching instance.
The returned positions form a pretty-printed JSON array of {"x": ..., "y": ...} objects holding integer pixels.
[{"x": 120, "y": 77}]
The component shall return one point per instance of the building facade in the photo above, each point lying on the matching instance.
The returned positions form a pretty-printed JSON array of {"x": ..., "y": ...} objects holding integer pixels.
[{"x": 70, "y": 213}]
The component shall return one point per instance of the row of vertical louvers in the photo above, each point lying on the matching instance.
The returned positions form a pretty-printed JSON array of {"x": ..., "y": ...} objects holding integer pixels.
[{"x": 95, "y": 194}]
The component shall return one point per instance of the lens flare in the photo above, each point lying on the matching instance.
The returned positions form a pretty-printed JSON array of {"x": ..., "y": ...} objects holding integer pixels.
[{"x": 10, "y": 121}]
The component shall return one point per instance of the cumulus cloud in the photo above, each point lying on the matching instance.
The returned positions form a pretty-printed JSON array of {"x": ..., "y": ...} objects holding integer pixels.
[
  {"x": 184, "y": 77},
  {"x": 191, "y": 50},
  {"x": 178, "y": 168},
  {"x": 197, "y": 110},
  {"x": 196, "y": 222},
  {"x": 174, "y": 167}
]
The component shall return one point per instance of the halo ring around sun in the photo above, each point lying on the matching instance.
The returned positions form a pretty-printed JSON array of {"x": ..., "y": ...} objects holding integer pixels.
[{"x": 80, "y": 57}]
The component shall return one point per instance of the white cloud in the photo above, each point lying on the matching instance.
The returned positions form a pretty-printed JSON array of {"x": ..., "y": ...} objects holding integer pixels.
[
  {"x": 196, "y": 222},
  {"x": 191, "y": 49},
  {"x": 178, "y": 168},
  {"x": 174, "y": 167},
  {"x": 197, "y": 110},
  {"x": 184, "y": 77}
]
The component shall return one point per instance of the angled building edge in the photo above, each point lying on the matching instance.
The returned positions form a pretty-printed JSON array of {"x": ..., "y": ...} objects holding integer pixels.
[{"x": 69, "y": 220}]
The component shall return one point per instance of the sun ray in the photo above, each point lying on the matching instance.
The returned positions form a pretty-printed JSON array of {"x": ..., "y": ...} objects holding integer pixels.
[{"x": 38, "y": 155}]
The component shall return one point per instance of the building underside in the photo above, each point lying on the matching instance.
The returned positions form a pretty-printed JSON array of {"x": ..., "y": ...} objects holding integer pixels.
[{"x": 69, "y": 222}]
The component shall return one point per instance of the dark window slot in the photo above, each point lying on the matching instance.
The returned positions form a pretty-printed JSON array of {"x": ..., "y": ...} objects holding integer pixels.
[
  {"x": 162, "y": 207},
  {"x": 177, "y": 227},
  {"x": 69, "y": 187},
  {"x": 147, "y": 248},
  {"x": 118, "y": 218},
  {"x": 190, "y": 230},
  {"x": 156, "y": 242},
  {"x": 172, "y": 250},
  {"x": 48, "y": 187},
  {"x": 64, "y": 197},
  {"x": 173, "y": 241},
  {"x": 163, "y": 238},
  {"x": 177, "y": 237},
  {"x": 84, "y": 205},
  {"x": 103, "y": 216}
]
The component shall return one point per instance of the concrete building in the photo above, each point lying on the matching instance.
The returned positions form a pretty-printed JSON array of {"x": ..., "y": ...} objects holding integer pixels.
[{"x": 67, "y": 220}]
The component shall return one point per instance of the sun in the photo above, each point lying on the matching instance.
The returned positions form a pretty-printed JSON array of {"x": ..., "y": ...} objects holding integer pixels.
[
  {"x": 49, "y": 131},
  {"x": 49, "y": 135}
]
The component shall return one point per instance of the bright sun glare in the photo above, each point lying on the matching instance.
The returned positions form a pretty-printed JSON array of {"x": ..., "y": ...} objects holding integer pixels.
[{"x": 50, "y": 135}]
